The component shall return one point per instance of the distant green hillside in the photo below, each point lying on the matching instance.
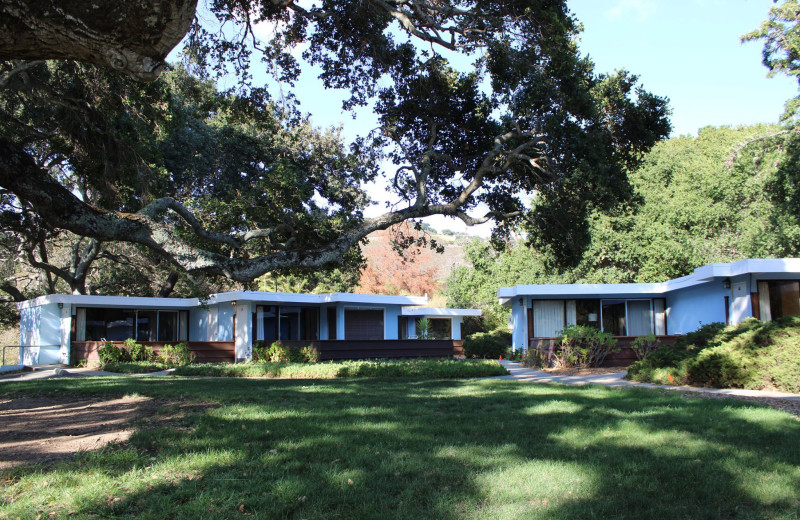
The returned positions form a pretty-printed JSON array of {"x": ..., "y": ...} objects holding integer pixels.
[{"x": 752, "y": 355}]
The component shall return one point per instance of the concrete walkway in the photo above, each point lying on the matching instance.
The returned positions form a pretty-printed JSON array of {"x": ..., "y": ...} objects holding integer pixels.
[
  {"x": 520, "y": 373},
  {"x": 54, "y": 372}
]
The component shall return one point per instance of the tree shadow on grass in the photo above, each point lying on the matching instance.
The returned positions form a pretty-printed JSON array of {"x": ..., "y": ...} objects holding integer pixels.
[{"x": 436, "y": 449}]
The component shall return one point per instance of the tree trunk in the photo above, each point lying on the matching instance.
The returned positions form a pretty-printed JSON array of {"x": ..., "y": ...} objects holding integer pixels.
[{"x": 133, "y": 36}]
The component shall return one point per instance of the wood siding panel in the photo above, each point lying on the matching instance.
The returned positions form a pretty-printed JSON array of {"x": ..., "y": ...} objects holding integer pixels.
[
  {"x": 390, "y": 348},
  {"x": 363, "y": 324},
  {"x": 204, "y": 351},
  {"x": 754, "y": 306}
]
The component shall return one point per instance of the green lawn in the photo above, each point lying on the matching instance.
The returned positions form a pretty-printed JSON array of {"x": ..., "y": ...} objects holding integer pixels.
[{"x": 389, "y": 448}]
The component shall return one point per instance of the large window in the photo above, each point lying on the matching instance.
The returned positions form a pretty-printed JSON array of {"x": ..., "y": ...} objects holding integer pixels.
[
  {"x": 614, "y": 317},
  {"x": 627, "y": 317},
  {"x": 621, "y": 317},
  {"x": 778, "y": 298},
  {"x": 289, "y": 323},
  {"x": 548, "y": 318},
  {"x": 439, "y": 328},
  {"x": 110, "y": 324},
  {"x": 587, "y": 312},
  {"x": 144, "y": 325}
]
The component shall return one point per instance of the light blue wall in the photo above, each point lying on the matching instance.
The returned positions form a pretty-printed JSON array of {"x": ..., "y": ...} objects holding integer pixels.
[
  {"x": 225, "y": 322},
  {"x": 198, "y": 325},
  {"x": 518, "y": 339},
  {"x": 391, "y": 315},
  {"x": 689, "y": 309},
  {"x": 29, "y": 325}
]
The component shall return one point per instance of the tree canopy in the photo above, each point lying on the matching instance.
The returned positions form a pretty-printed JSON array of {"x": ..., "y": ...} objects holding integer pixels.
[
  {"x": 725, "y": 195},
  {"x": 229, "y": 183}
]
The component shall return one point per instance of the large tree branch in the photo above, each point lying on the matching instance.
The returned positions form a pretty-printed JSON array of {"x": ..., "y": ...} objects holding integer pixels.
[
  {"x": 59, "y": 207},
  {"x": 133, "y": 36}
]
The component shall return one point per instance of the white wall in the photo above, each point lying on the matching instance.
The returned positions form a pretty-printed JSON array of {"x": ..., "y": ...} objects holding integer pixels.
[
  {"x": 243, "y": 342},
  {"x": 39, "y": 326}
]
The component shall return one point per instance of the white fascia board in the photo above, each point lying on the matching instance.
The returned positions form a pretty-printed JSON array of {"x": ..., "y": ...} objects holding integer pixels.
[
  {"x": 262, "y": 296},
  {"x": 279, "y": 297},
  {"x": 578, "y": 290},
  {"x": 380, "y": 299},
  {"x": 126, "y": 302},
  {"x": 700, "y": 275},
  {"x": 438, "y": 311}
]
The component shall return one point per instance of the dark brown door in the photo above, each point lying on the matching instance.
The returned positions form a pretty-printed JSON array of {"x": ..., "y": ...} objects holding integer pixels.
[{"x": 363, "y": 324}]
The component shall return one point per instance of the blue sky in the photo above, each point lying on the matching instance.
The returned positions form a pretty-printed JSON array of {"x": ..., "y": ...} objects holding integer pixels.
[{"x": 689, "y": 51}]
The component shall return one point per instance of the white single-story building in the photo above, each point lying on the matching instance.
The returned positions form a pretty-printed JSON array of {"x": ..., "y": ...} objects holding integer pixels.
[
  {"x": 727, "y": 293},
  {"x": 59, "y": 327}
]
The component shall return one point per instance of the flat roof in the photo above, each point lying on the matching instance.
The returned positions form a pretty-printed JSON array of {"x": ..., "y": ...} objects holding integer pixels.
[
  {"x": 279, "y": 297},
  {"x": 438, "y": 311},
  {"x": 700, "y": 275},
  {"x": 227, "y": 297},
  {"x": 111, "y": 301}
]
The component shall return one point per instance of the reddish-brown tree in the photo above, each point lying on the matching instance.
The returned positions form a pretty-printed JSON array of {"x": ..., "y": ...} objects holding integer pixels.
[{"x": 390, "y": 271}]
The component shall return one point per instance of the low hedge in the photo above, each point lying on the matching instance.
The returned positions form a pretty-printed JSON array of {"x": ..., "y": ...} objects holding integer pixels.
[
  {"x": 488, "y": 345},
  {"x": 135, "y": 367},
  {"x": 752, "y": 355},
  {"x": 420, "y": 368}
]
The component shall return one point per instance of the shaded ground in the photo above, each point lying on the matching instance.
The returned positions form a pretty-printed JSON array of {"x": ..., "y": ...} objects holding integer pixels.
[
  {"x": 792, "y": 407},
  {"x": 410, "y": 449},
  {"x": 583, "y": 371},
  {"x": 39, "y": 429},
  {"x": 36, "y": 429}
]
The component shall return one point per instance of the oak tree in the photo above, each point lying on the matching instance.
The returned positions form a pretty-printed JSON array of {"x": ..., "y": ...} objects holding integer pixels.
[{"x": 233, "y": 192}]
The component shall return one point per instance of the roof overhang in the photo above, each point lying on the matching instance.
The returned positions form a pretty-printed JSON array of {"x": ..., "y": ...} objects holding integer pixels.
[
  {"x": 700, "y": 275},
  {"x": 439, "y": 311},
  {"x": 124, "y": 302},
  {"x": 278, "y": 297}
]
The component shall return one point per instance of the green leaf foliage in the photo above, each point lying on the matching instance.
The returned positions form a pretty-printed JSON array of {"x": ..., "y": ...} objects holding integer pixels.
[
  {"x": 725, "y": 195},
  {"x": 753, "y": 355},
  {"x": 487, "y": 345}
]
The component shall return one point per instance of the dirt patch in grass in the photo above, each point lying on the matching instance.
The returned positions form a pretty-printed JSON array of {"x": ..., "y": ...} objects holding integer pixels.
[
  {"x": 584, "y": 371},
  {"x": 40, "y": 429}
]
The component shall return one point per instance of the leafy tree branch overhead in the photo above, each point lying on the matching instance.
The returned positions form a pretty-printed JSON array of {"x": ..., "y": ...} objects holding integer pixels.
[{"x": 230, "y": 183}]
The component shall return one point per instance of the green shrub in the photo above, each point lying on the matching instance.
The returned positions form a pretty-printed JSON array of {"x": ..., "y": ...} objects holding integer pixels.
[
  {"x": 534, "y": 358},
  {"x": 664, "y": 364},
  {"x": 716, "y": 369},
  {"x": 417, "y": 368},
  {"x": 176, "y": 354},
  {"x": 278, "y": 353},
  {"x": 423, "y": 328},
  {"x": 136, "y": 367},
  {"x": 643, "y": 346},
  {"x": 260, "y": 351},
  {"x": 584, "y": 346},
  {"x": 137, "y": 351},
  {"x": 487, "y": 345},
  {"x": 752, "y": 354},
  {"x": 110, "y": 353},
  {"x": 310, "y": 354}
]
